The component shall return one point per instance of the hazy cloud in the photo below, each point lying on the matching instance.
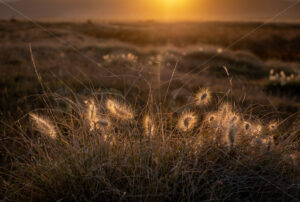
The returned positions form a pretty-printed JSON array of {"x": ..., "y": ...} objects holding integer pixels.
[{"x": 7, "y": 1}]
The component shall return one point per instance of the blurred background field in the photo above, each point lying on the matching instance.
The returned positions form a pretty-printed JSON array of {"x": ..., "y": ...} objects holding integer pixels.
[{"x": 84, "y": 56}]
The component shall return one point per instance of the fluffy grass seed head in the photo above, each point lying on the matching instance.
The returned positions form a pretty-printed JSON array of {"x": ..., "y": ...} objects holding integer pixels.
[
  {"x": 203, "y": 97},
  {"x": 187, "y": 121},
  {"x": 95, "y": 121},
  {"x": 247, "y": 128},
  {"x": 119, "y": 110},
  {"x": 44, "y": 126},
  {"x": 92, "y": 114},
  {"x": 211, "y": 119},
  {"x": 273, "y": 125},
  {"x": 149, "y": 126},
  {"x": 233, "y": 119}
]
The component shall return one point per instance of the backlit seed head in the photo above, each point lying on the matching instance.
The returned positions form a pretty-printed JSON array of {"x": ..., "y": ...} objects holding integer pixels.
[
  {"x": 211, "y": 119},
  {"x": 149, "y": 126},
  {"x": 92, "y": 116},
  {"x": 273, "y": 126},
  {"x": 187, "y": 121},
  {"x": 44, "y": 126},
  {"x": 247, "y": 126},
  {"x": 203, "y": 97},
  {"x": 233, "y": 119},
  {"x": 119, "y": 110}
]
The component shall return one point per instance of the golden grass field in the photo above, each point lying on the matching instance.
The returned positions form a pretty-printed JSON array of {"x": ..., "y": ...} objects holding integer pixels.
[{"x": 149, "y": 111}]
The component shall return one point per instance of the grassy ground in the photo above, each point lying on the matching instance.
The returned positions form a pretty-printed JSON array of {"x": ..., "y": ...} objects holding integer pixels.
[{"x": 62, "y": 141}]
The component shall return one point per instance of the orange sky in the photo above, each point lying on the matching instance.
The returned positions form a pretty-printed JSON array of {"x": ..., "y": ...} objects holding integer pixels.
[{"x": 152, "y": 9}]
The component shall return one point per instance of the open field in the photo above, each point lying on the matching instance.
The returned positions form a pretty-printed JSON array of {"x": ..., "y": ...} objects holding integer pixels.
[{"x": 62, "y": 74}]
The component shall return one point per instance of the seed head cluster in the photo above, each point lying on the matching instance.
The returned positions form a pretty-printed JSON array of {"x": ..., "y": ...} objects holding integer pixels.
[
  {"x": 227, "y": 125},
  {"x": 272, "y": 126}
]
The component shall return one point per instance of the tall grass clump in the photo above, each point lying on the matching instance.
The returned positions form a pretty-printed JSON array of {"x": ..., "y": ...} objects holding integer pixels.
[{"x": 219, "y": 154}]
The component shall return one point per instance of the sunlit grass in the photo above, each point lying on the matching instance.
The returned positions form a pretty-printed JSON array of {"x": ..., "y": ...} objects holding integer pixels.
[{"x": 92, "y": 161}]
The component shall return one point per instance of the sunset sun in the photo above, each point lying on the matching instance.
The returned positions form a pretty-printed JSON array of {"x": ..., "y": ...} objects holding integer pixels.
[
  {"x": 173, "y": 2},
  {"x": 172, "y": 9}
]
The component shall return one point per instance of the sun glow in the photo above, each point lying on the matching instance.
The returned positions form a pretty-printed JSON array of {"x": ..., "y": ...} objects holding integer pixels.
[
  {"x": 173, "y": 2},
  {"x": 173, "y": 9}
]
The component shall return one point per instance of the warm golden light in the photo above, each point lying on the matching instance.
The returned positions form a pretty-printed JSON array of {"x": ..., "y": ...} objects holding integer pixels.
[
  {"x": 173, "y": 2},
  {"x": 172, "y": 9}
]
